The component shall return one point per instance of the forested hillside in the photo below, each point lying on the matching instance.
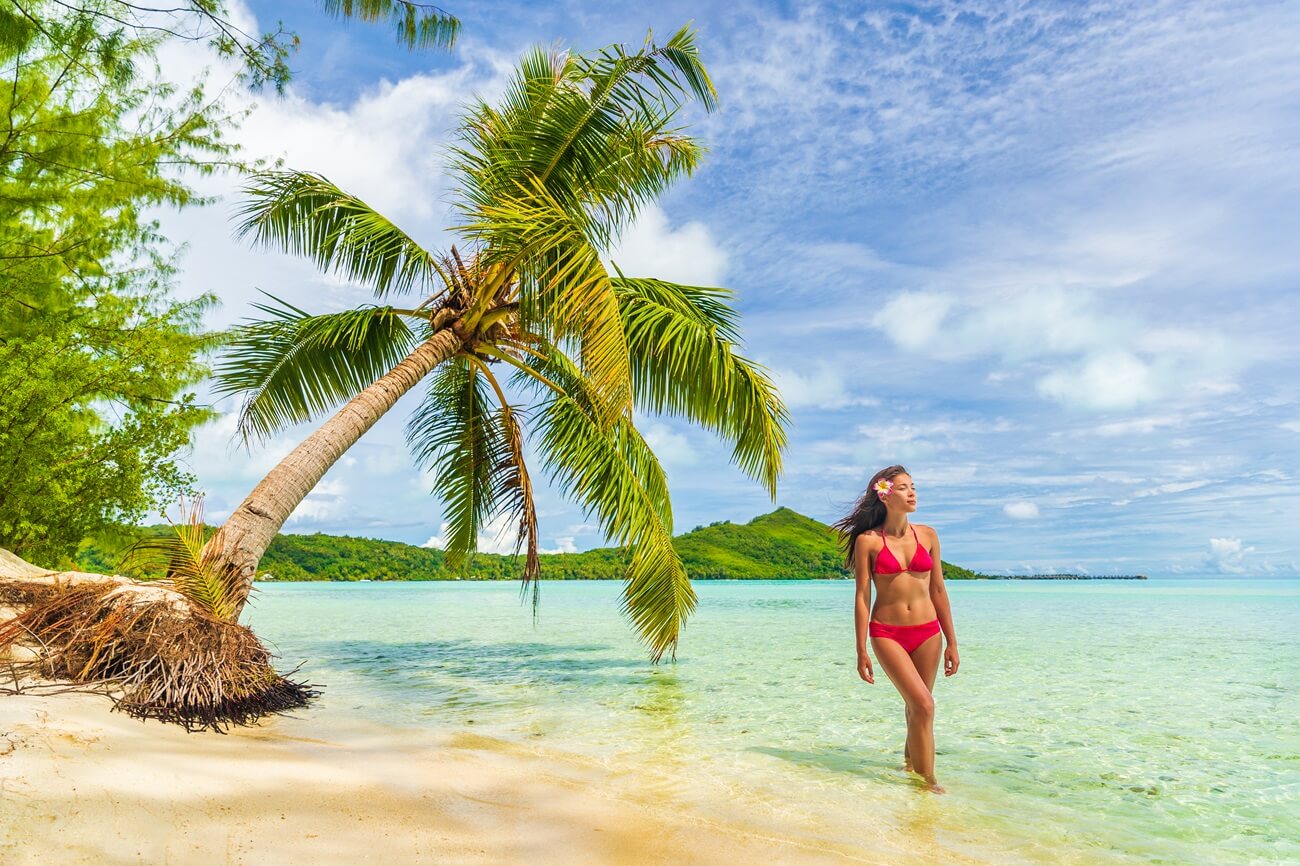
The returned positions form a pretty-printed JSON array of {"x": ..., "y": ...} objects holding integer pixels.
[{"x": 780, "y": 544}]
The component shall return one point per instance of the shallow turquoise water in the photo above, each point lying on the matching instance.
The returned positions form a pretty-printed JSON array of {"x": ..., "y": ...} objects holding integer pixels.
[{"x": 1090, "y": 722}]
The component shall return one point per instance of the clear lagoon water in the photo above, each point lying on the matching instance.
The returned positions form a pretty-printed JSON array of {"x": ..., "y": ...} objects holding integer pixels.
[{"x": 1109, "y": 722}]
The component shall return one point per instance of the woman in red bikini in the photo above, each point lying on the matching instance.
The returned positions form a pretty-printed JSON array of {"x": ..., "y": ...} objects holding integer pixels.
[{"x": 912, "y": 609}]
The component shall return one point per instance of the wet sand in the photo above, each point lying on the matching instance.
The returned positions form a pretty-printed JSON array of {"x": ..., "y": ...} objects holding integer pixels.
[{"x": 81, "y": 784}]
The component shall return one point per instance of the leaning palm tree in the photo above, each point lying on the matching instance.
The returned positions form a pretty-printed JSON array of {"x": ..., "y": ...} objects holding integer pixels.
[{"x": 545, "y": 183}]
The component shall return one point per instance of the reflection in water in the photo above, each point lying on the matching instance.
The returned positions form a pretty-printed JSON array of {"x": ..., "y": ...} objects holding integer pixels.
[
  {"x": 837, "y": 760},
  {"x": 658, "y": 732}
]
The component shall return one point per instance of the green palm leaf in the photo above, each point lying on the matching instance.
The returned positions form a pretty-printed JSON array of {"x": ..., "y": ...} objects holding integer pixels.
[
  {"x": 566, "y": 293},
  {"x": 418, "y": 25},
  {"x": 456, "y": 434},
  {"x": 513, "y": 488},
  {"x": 550, "y": 177},
  {"x": 682, "y": 345},
  {"x": 615, "y": 475},
  {"x": 567, "y": 121},
  {"x": 292, "y": 366},
  {"x": 304, "y": 213},
  {"x": 204, "y": 580}
]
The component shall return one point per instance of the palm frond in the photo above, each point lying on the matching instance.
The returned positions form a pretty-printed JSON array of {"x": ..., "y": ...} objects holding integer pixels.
[
  {"x": 594, "y": 132},
  {"x": 456, "y": 435},
  {"x": 547, "y": 180},
  {"x": 179, "y": 557},
  {"x": 616, "y": 477},
  {"x": 517, "y": 487},
  {"x": 305, "y": 214},
  {"x": 290, "y": 366},
  {"x": 566, "y": 293},
  {"x": 681, "y": 342},
  {"x": 418, "y": 25},
  {"x": 513, "y": 487}
]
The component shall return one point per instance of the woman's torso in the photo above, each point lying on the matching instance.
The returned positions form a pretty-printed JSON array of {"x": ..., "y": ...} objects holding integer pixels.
[{"x": 903, "y": 598}]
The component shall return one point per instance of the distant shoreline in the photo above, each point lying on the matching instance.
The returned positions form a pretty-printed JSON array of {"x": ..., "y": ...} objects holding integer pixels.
[
  {"x": 1062, "y": 577},
  {"x": 270, "y": 579}
]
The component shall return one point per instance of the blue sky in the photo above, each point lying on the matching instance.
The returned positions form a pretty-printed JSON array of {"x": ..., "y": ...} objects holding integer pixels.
[{"x": 1043, "y": 255}]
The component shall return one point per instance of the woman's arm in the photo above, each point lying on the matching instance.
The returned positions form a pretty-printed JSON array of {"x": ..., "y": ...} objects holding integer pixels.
[
  {"x": 862, "y": 603},
  {"x": 943, "y": 608}
]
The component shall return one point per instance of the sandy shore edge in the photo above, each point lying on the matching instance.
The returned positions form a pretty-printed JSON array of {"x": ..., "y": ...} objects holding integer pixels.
[{"x": 81, "y": 784}]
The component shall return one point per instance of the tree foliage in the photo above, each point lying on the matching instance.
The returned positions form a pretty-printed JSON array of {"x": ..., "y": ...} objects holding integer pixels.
[
  {"x": 264, "y": 57},
  {"x": 95, "y": 355}
]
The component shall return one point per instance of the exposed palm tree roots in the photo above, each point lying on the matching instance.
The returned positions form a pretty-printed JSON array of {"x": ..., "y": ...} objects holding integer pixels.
[{"x": 164, "y": 657}]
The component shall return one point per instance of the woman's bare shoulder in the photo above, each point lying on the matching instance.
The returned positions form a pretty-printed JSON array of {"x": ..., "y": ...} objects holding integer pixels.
[
  {"x": 925, "y": 528},
  {"x": 868, "y": 541}
]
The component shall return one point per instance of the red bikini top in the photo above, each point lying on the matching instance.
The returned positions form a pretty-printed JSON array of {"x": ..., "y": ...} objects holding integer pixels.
[{"x": 921, "y": 560}]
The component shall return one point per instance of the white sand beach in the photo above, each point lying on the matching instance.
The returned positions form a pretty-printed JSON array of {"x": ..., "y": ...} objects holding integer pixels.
[{"x": 80, "y": 784}]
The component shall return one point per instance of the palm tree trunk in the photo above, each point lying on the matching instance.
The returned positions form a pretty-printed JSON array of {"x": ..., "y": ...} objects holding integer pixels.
[{"x": 249, "y": 530}]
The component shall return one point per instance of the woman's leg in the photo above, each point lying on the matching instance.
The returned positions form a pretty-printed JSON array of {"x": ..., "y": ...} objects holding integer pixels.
[
  {"x": 907, "y": 755},
  {"x": 925, "y": 659},
  {"x": 902, "y": 672}
]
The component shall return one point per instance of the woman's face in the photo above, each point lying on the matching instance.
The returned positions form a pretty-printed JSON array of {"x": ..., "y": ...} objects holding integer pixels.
[{"x": 902, "y": 496}]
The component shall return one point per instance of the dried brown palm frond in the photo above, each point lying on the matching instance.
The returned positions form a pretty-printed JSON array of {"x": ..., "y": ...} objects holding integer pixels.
[{"x": 166, "y": 657}]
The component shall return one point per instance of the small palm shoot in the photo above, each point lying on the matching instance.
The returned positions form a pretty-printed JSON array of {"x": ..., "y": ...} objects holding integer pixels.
[{"x": 178, "y": 556}]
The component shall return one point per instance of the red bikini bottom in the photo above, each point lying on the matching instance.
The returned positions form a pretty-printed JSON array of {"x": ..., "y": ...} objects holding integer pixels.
[{"x": 909, "y": 637}]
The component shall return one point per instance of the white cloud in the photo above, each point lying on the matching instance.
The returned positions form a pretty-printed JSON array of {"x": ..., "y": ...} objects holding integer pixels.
[
  {"x": 386, "y": 145},
  {"x": 496, "y": 536},
  {"x": 822, "y": 386},
  {"x": 892, "y": 439},
  {"x": 1132, "y": 426},
  {"x": 564, "y": 544},
  {"x": 1012, "y": 324},
  {"x": 847, "y": 257},
  {"x": 687, "y": 254},
  {"x": 328, "y": 499},
  {"x": 385, "y": 459},
  {"x": 1029, "y": 324},
  {"x": 671, "y": 447},
  {"x": 1020, "y": 510},
  {"x": 217, "y": 452},
  {"x": 913, "y": 319},
  {"x": 1097, "y": 359},
  {"x": 1112, "y": 379},
  {"x": 1227, "y": 555},
  {"x": 1173, "y": 487},
  {"x": 499, "y": 536}
]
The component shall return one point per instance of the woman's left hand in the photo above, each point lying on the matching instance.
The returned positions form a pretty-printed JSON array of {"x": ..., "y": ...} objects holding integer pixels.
[{"x": 950, "y": 660}]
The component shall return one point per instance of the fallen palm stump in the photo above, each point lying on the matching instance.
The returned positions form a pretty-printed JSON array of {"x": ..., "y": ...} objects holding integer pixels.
[{"x": 163, "y": 656}]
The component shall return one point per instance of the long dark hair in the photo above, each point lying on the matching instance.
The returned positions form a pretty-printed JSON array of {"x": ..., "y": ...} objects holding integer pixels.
[{"x": 868, "y": 513}]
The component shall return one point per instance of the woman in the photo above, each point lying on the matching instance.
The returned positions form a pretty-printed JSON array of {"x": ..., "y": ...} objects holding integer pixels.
[{"x": 912, "y": 609}]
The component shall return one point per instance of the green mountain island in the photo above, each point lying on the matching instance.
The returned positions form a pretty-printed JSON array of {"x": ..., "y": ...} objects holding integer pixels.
[{"x": 781, "y": 544}]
